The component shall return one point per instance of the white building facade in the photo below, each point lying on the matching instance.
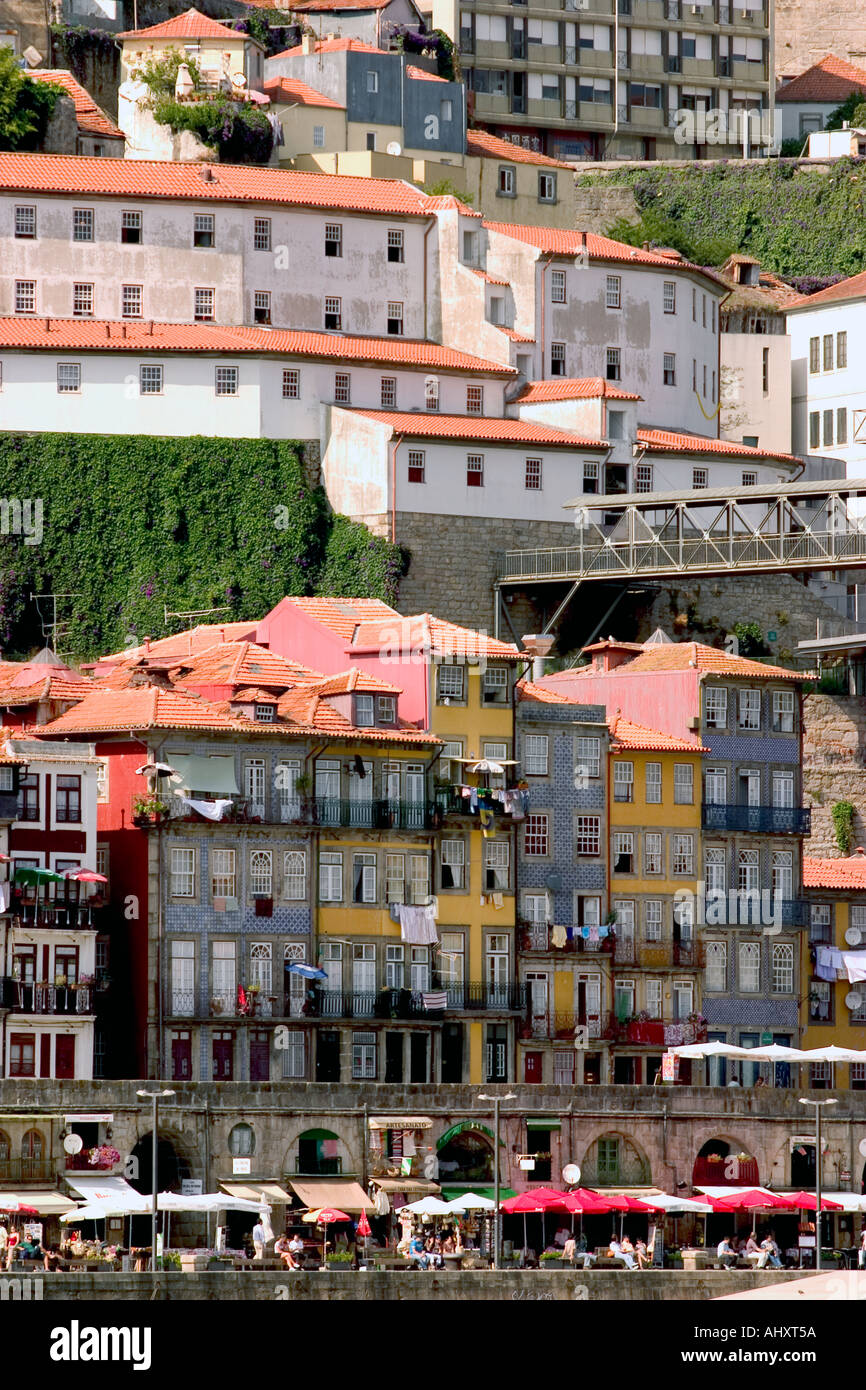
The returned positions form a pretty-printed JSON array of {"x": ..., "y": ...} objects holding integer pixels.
[{"x": 827, "y": 387}]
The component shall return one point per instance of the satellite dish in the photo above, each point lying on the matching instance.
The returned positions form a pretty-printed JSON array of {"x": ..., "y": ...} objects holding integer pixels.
[
  {"x": 853, "y": 1000},
  {"x": 862, "y": 1147},
  {"x": 393, "y": 147},
  {"x": 571, "y": 1172},
  {"x": 853, "y": 936},
  {"x": 73, "y": 1143}
]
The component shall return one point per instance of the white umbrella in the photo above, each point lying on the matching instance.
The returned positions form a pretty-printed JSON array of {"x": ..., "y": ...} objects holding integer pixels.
[
  {"x": 711, "y": 1049},
  {"x": 208, "y": 1202},
  {"x": 429, "y": 1206},
  {"x": 834, "y": 1054},
  {"x": 471, "y": 1201},
  {"x": 676, "y": 1205}
]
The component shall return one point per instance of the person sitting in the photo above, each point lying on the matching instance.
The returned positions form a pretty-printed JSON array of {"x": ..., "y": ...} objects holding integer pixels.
[
  {"x": 448, "y": 1245},
  {"x": 754, "y": 1253},
  {"x": 618, "y": 1253},
  {"x": 583, "y": 1252},
  {"x": 528, "y": 1258},
  {"x": 30, "y": 1250},
  {"x": 417, "y": 1253},
  {"x": 641, "y": 1254},
  {"x": 771, "y": 1250},
  {"x": 569, "y": 1250},
  {"x": 433, "y": 1251},
  {"x": 53, "y": 1259},
  {"x": 283, "y": 1252},
  {"x": 627, "y": 1248},
  {"x": 725, "y": 1254}
]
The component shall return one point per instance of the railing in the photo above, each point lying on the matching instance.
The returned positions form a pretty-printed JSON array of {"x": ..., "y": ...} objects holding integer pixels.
[
  {"x": 751, "y": 909},
  {"x": 61, "y": 916},
  {"x": 765, "y": 820},
  {"x": 379, "y": 814},
  {"x": 322, "y": 1168},
  {"x": 654, "y": 1032},
  {"x": 559, "y": 1025},
  {"x": 45, "y": 999},
  {"x": 450, "y": 803},
  {"x": 27, "y": 1170},
  {"x": 404, "y": 1003}
]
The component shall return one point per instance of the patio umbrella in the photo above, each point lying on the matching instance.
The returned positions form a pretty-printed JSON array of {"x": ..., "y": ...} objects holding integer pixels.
[
  {"x": 805, "y": 1201},
  {"x": 13, "y": 1204},
  {"x": 583, "y": 1200},
  {"x": 541, "y": 1200},
  {"x": 429, "y": 1206},
  {"x": 364, "y": 1230},
  {"x": 752, "y": 1199},
  {"x": 84, "y": 876},
  {"x": 471, "y": 1201},
  {"x": 26, "y": 873},
  {"x": 309, "y": 972},
  {"x": 325, "y": 1217}
]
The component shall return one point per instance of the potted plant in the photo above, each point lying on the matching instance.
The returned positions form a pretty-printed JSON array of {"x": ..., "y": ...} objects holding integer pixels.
[
  {"x": 149, "y": 809},
  {"x": 551, "y": 1259},
  {"x": 340, "y": 1258}
]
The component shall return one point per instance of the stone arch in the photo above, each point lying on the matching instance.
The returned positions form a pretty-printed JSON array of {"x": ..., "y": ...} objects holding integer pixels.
[
  {"x": 348, "y": 1156},
  {"x": 172, "y": 1164},
  {"x": 5, "y": 1150},
  {"x": 615, "y": 1159},
  {"x": 465, "y": 1153},
  {"x": 722, "y": 1160},
  {"x": 242, "y": 1140}
]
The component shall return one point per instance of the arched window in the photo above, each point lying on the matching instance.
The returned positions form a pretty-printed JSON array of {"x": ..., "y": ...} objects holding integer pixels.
[
  {"x": 614, "y": 1161},
  {"x": 317, "y": 1152},
  {"x": 242, "y": 1141},
  {"x": 5, "y": 1152},
  {"x": 31, "y": 1154},
  {"x": 722, "y": 1163}
]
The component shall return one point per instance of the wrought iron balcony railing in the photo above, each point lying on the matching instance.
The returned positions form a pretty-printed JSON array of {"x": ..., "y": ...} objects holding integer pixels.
[
  {"x": 761, "y": 820},
  {"x": 24, "y": 998}
]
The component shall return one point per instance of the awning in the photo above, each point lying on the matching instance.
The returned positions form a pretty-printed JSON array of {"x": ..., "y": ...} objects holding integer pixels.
[
  {"x": 345, "y": 1196},
  {"x": 272, "y": 1192},
  {"x": 449, "y": 1193},
  {"x": 400, "y": 1122},
  {"x": 107, "y": 1189},
  {"x": 417, "y": 1186},
  {"x": 542, "y": 1122},
  {"x": 46, "y": 1201},
  {"x": 194, "y": 773},
  {"x": 461, "y": 1127}
]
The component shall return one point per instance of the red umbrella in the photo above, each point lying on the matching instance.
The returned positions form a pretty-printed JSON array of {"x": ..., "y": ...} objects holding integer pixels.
[
  {"x": 324, "y": 1218},
  {"x": 582, "y": 1201},
  {"x": 805, "y": 1201},
  {"x": 85, "y": 875},
  {"x": 17, "y": 1206},
  {"x": 364, "y": 1226},
  {"x": 538, "y": 1201},
  {"x": 752, "y": 1200}
]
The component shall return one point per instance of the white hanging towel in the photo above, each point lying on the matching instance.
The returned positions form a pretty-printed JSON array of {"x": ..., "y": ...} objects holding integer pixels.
[
  {"x": 418, "y": 925},
  {"x": 855, "y": 964}
]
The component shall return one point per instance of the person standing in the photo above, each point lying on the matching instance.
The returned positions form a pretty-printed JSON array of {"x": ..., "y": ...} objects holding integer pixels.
[
  {"x": 259, "y": 1240},
  {"x": 861, "y": 1251}
]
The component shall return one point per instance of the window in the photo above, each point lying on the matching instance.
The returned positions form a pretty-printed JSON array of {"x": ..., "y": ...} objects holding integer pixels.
[
  {"x": 22, "y": 1054},
  {"x": 828, "y": 428},
  {"x": 450, "y": 683},
  {"x": 203, "y": 229},
  {"x": 782, "y": 969},
  {"x": 684, "y": 855},
  {"x": 82, "y": 224},
  {"x": 623, "y": 852},
  {"x": 557, "y": 359},
  {"x": 82, "y": 301},
  {"x": 765, "y": 371},
  {"x": 700, "y": 477},
  {"x": 642, "y": 95},
  {"x": 386, "y": 709},
  {"x": 261, "y": 234},
  {"x": 28, "y": 798},
  {"x": 474, "y": 400},
  {"x": 291, "y": 384},
  {"x": 841, "y": 349},
  {"x": 372, "y": 80},
  {"x": 416, "y": 466},
  {"x": 68, "y": 378},
  {"x": 452, "y": 863},
  {"x": 613, "y": 369},
  {"x": 150, "y": 379},
  {"x": 623, "y": 781},
  {"x": 333, "y": 239},
  {"x": 507, "y": 181},
  {"x": 783, "y": 711},
  {"x": 669, "y": 297},
  {"x": 241, "y": 1141},
  {"x": 750, "y": 967},
  {"x": 395, "y": 318},
  {"x": 496, "y": 856},
  {"x": 261, "y": 873},
  {"x": 262, "y": 306},
  {"x": 694, "y": 305},
  {"x": 364, "y": 1044},
  {"x": 226, "y": 381},
  {"x": 394, "y": 966},
  {"x": 814, "y": 429},
  {"x": 67, "y": 801},
  {"x": 653, "y": 922},
  {"x": 535, "y": 755},
  {"x": 536, "y": 839},
  {"x": 653, "y": 852},
  {"x": 318, "y": 137},
  {"x": 643, "y": 477},
  {"x": 395, "y": 878},
  {"x": 715, "y": 707},
  {"x": 782, "y": 789},
  {"x": 748, "y": 871},
  {"x": 590, "y": 476},
  {"x": 474, "y": 470},
  {"x": 547, "y": 183},
  {"x": 224, "y": 881},
  {"x": 557, "y": 287},
  {"x": 364, "y": 716},
  {"x": 841, "y": 426},
  {"x": 716, "y": 970},
  {"x": 684, "y": 793},
  {"x": 131, "y": 301},
  {"x": 395, "y": 245},
  {"x": 653, "y": 783},
  {"x": 130, "y": 228},
  {"x": 749, "y": 715},
  {"x": 431, "y": 393},
  {"x": 588, "y": 756},
  {"x": 494, "y": 691},
  {"x": 294, "y": 874},
  {"x": 716, "y": 786},
  {"x": 330, "y": 877},
  {"x": 25, "y": 296},
  {"x": 750, "y": 480},
  {"x": 333, "y": 313},
  {"x": 203, "y": 305},
  {"x": 532, "y": 476},
  {"x": 342, "y": 388},
  {"x": 419, "y": 877},
  {"x": 388, "y": 392},
  {"x": 828, "y": 352},
  {"x": 364, "y": 878},
  {"x": 25, "y": 223},
  {"x": 669, "y": 369},
  {"x": 613, "y": 292}
]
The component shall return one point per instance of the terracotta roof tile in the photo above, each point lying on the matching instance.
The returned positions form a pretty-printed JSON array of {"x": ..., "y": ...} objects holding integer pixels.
[
  {"x": 422, "y": 75},
  {"x": 488, "y": 279},
  {"x": 308, "y": 708},
  {"x": 323, "y": 6},
  {"x": 486, "y": 146},
  {"x": 513, "y": 334},
  {"x": 354, "y": 679},
  {"x": 339, "y": 45},
  {"x": 446, "y": 202},
  {"x": 680, "y": 656},
  {"x": 836, "y": 873},
  {"x": 574, "y": 389},
  {"x": 536, "y": 695},
  {"x": 561, "y": 242},
  {"x": 144, "y": 178},
  {"x": 628, "y": 735},
  {"x": 491, "y": 430},
  {"x": 830, "y": 80},
  {"x": 290, "y": 89},
  {"x": 192, "y": 24},
  {"x": 99, "y": 335},
  {"x": 145, "y": 707},
  {"x": 669, "y": 442},
  {"x": 251, "y": 695},
  {"x": 341, "y": 615},
  {"x": 189, "y": 642},
  {"x": 424, "y": 632},
  {"x": 244, "y": 663},
  {"x": 92, "y": 120},
  {"x": 852, "y": 288}
]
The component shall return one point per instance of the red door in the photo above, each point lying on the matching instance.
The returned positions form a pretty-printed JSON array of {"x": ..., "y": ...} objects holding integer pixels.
[
  {"x": 260, "y": 1057},
  {"x": 64, "y": 1056},
  {"x": 532, "y": 1066},
  {"x": 223, "y": 1056},
  {"x": 181, "y": 1057}
]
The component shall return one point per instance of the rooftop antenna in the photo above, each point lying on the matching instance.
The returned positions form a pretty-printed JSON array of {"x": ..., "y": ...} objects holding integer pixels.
[
  {"x": 192, "y": 613},
  {"x": 53, "y": 631}
]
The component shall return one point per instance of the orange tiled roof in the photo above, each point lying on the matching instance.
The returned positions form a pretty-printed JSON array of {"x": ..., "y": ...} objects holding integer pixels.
[
  {"x": 831, "y": 79},
  {"x": 574, "y": 389},
  {"x": 323, "y": 6},
  {"x": 341, "y": 615},
  {"x": 626, "y": 734},
  {"x": 45, "y": 688},
  {"x": 92, "y": 120},
  {"x": 669, "y": 442},
  {"x": 680, "y": 656},
  {"x": 97, "y": 335},
  {"x": 308, "y": 709},
  {"x": 145, "y": 707},
  {"x": 192, "y": 24},
  {"x": 424, "y": 632},
  {"x": 488, "y": 279},
  {"x": 292, "y": 90},
  {"x": 353, "y": 679},
  {"x": 250, "y": 695},
  {"x": 445, "y": 202},
  {"x": 484, "y": 145},
  {"x": 537, "y": 695},
  {"x": 144, "y": 178},
  {"x": 244, "y": 663},
  {"x": 422, "y": 75},
  {"x": 560, "y": 242},
  {"x": 491, "y": 430},
  {"x": 341, "y": 45},
  {"x": 188, "y": 643},
  {"x": 836, "y": 873},
  {"x": 513, "y": 334},
  {"x": 852, "y": 288}
]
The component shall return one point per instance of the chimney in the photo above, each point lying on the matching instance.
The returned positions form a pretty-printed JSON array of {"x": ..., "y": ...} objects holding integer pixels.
[
  {"x": 123, "y": 330},
  {"x": 308, "y": 44},
  {"x": 206, "y": 173},
  {"x": 150, "y": 328},
  {"x": 47, "y": 325},
  {"x": 147, "y": 644},
  {"x": 582, "y": 242}
]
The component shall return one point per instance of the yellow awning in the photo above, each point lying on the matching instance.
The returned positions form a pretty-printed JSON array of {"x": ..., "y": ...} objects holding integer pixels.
[
  {"x": 344, "y": 1195},
  {"x": 272, "y": 1192},
  {"x": 400, "y": 1122}
]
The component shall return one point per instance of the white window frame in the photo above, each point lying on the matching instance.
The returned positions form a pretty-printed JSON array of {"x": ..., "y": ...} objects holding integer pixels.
[
  {"x": 331, "y": 876},
  {"x": 294, "y": 875},
  {"x": 623, "y": 780},
  {"x": 535, "y": 755},
  {"x": 182, "y": 872},
  {"x": 716, "y": 706},
  {"x": 653, "y": 784},
  {"x": 223, "y": 870},
  {"x": 684, "y": 784}
]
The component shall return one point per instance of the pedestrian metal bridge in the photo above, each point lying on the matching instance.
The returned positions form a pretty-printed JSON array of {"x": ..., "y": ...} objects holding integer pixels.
[{"x": 815, "y": 525}]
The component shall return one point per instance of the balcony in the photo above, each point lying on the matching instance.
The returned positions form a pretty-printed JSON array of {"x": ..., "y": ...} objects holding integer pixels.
[
  {"x": 654, "y": 1032},
  {"x": 409, "y": 1004},
  {"x": 14, "y": 1170},
  {"x": 560, "y": 1026},
  {"x": 751, "y": 908},
  {"x": 320, "y": 1168},
  {"x": 57, "y": 915},
  {"x": 449, "y": 802},
  {"x": 45, "y": 999},
  {"x": 760, "y": 820},
  {"x": 659, "y": 955},
  {"x": 339, "y": 812}
]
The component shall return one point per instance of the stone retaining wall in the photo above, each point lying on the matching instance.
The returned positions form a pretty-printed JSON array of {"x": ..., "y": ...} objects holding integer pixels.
[{"x": 834, "y": 762}]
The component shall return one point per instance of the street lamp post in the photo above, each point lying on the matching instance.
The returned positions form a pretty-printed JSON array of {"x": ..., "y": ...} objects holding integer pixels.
[
  {"x": 497, "y": 1220},
  {"x": 155, "y": 1096},
  {"x": 818, "y": 1104}
]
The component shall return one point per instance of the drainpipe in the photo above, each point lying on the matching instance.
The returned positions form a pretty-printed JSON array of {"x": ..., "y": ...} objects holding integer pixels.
[
  {"x": 394, "y": 447},
  {"x": 544, "y": 270},
  {"x": 427, "y": 230}
]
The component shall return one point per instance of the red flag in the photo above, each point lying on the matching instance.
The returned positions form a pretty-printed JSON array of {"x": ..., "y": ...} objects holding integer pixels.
[
  {"x": 242, "y": 1000},
  {"x": 363, "y": 1225}
]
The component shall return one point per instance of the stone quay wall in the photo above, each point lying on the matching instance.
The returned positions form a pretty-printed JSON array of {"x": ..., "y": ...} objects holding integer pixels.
[{"x": 834, "y": 766}]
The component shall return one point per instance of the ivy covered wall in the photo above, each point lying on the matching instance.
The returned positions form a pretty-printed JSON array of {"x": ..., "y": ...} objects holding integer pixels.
[{"x": 131, "y": 525}]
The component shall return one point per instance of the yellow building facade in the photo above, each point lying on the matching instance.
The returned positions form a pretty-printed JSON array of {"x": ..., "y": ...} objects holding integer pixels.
[{"x": 833, "y": 1010}]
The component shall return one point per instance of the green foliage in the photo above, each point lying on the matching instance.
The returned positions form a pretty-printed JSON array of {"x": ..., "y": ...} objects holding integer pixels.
[
  {"x": 792, "y": 149},
  {"x": 160, "y": 74},
  {"x": 444, "y": 188},
  {"x": 751, "y": 640},
  {"x": 660, "y": 229},
  {"x": 240, "y": 134},
  {"x": 79, "y": 45},
  {"x": 813, "y": 223},
  {"x": 846, "y": 112},
  {"x": 842, "y": 813},
  {"x": 25, "y": 106},
  {"x": 134, "y": 523},
  {"x": 447, "y": 61}
]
